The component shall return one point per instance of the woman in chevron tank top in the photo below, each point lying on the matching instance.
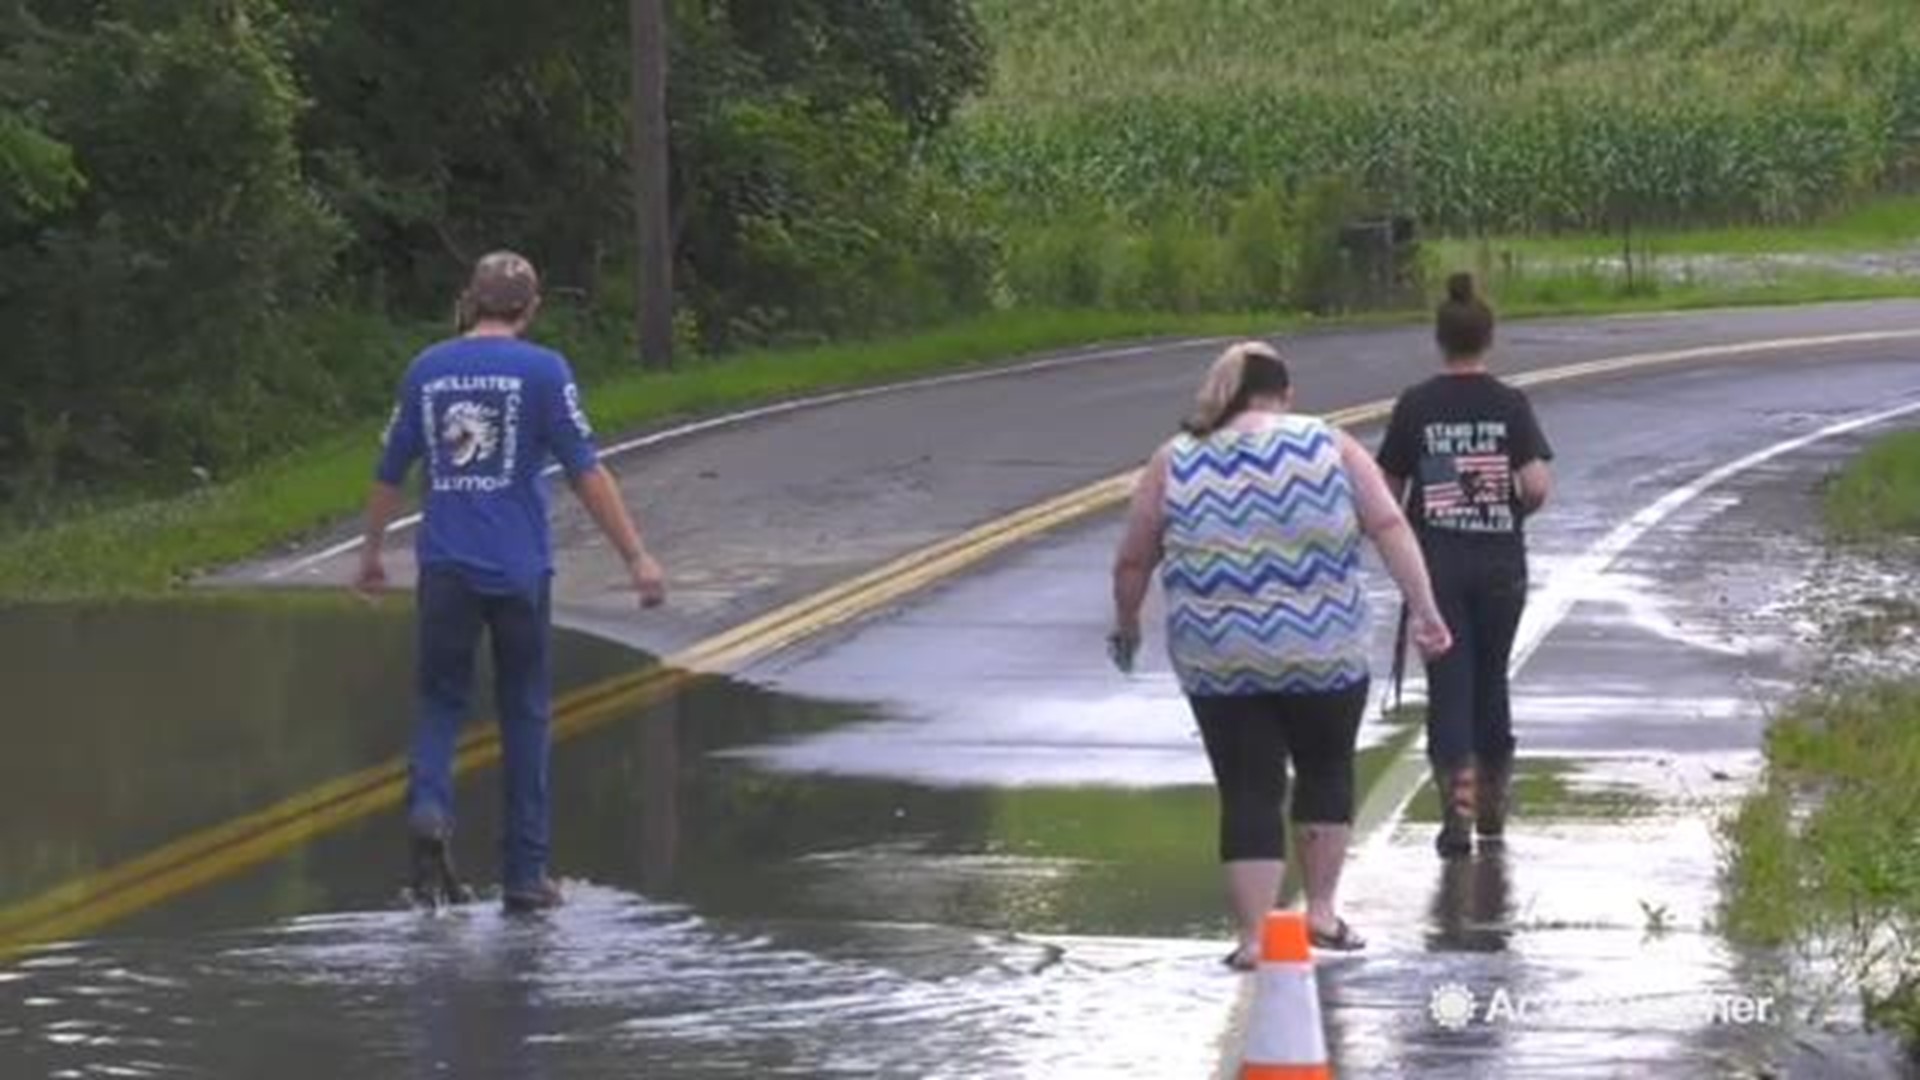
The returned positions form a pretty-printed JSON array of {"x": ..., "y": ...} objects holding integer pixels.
[{"x": 1254, "y": 517}]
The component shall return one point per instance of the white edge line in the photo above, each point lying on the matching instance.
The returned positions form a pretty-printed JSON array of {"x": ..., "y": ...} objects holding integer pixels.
[
  {"x": 765, "y": 412},
  {"x": 1568, "y": 586},
  {"x": 1595, "y": 366},
  {"x": 1540, "y": 620}
]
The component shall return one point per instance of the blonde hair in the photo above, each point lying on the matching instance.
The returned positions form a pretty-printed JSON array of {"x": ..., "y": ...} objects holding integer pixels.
[
  {"x": 504, "y": 286},
  {"x": 1230, "y": 386}
]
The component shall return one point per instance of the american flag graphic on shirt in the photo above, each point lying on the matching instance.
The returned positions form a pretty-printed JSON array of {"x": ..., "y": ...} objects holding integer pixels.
[{"x": 1468, "y": 492}]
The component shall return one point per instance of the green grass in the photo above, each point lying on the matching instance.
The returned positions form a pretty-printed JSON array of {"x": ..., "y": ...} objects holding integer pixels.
[
  {"x": 1760, "y": 902},
  {"x": 1598, "y": 293},
  {"x": 1888, "y": 223},
  {"x": 151, "y": 546},
  {"x": 1877, "y": 496},
  {"x": 1825, "y": 858}
]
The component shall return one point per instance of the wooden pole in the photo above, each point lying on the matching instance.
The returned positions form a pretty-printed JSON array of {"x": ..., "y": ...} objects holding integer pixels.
[{"x": 652, "y": 213}]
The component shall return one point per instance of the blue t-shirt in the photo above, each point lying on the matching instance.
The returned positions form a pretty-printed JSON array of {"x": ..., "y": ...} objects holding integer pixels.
[{"x": 486, "y": 415}]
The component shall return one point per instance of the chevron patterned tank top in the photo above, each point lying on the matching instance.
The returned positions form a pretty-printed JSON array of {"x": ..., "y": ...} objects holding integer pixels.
[{"x": 1262, "y": 566}]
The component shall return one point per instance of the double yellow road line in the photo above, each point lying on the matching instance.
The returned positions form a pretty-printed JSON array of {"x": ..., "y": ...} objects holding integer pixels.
[
  {"x": 209, "y": 855},
  {"x": 221, "y": 851}
]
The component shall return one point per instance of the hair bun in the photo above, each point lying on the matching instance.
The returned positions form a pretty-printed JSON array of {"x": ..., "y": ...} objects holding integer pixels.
[{"x": 1460, "y": 288}]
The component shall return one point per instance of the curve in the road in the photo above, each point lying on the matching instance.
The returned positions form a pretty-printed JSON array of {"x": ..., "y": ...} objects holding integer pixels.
[
  {"x": 224, "y": 850},
  {"x": 1398, "y": 785},
  {"x": 735, "y": 419}
]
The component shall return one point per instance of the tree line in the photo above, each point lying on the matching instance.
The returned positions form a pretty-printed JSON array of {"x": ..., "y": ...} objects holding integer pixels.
[{"x": 223, "y": 222}]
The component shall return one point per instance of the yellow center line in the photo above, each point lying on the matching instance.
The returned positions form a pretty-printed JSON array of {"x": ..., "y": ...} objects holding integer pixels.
[{"x": 212, "y": 854}]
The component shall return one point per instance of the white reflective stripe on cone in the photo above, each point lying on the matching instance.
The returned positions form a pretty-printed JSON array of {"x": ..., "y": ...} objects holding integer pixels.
[{"x": 1285, "y": 1028}]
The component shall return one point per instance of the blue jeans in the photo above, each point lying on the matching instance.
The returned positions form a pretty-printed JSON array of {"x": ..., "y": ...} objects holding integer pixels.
[{"x": 452, "y": 614}]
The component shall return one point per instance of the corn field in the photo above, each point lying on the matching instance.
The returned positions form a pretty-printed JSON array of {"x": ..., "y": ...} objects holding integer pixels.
[{"x": 1473, "y": 115}]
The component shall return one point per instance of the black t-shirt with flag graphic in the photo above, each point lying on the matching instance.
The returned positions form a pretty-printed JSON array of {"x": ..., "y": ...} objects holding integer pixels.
[{"x": 1458, "y": 440}]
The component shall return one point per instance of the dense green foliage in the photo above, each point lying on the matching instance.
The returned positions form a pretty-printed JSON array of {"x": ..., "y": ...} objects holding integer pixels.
[
  {"x": 167, "y": 238},
  {"x": 443, "y": 128},
  {"x": 224, "y": 223},
  {"x": 1470, "y": 114}
]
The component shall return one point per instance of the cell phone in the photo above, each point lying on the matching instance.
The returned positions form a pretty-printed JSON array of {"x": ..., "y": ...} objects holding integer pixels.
[{"x": 1122, "y": 650}]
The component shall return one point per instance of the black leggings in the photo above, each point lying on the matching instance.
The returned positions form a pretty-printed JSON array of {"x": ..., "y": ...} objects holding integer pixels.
[
  {"x": 1481, "y": 595},
  {"x": 1249, "y": 740}
]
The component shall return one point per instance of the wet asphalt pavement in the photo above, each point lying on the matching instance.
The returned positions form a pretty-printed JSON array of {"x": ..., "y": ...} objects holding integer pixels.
[
  {"x": 1649, "y": 692},
  {"x": 946, "y": 841},
  {"x": 753, "y": 516}
]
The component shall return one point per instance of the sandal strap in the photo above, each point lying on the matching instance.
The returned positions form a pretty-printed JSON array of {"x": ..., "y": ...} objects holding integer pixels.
[{"x": 1343, "y": 939}]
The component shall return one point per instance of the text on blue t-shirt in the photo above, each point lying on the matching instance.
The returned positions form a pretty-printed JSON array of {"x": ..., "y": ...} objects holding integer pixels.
[{"x": 486, "y": 415}]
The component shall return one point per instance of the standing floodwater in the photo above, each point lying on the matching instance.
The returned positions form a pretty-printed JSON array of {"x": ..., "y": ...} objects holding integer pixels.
[{"x": 730, "y": 920}]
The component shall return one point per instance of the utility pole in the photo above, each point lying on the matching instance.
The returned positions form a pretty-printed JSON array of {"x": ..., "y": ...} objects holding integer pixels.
[{"x": 651, "y": 211}]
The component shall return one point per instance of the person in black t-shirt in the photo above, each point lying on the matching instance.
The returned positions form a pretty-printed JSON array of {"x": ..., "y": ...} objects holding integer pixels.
[{"x": 1466, "y": 452}]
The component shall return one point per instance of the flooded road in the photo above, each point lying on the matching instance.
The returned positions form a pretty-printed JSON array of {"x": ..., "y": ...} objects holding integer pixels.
[
  {"x": 724, "y": 920},
  {"x": 945, "y": 842}
]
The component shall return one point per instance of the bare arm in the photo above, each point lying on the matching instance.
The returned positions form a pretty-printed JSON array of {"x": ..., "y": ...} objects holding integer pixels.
[
  {"x": 601, "y": 496},
  {"x": 383, "y": 505},
  {"x": 1533, "y": 478},
  {"x": 1386, "y": 525},
  {"x": 1397, "y": 456},
  {"x": 1534, "y": 482},
  {"x": 1140, "y": 549}
]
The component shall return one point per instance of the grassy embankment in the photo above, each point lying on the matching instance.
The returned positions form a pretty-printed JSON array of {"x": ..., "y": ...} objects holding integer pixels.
[{"x": 1824, "y": 859}]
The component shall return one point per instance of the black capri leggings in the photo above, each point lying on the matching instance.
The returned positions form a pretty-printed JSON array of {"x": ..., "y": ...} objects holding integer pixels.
[{"x": 1249, "y": 740}]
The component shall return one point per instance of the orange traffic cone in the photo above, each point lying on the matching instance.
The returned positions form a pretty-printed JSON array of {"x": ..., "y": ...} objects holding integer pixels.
[{"x": 1285, "y": 1040}]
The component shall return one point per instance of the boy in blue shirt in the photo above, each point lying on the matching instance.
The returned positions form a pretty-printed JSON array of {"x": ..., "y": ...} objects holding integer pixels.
[{"x": 485, "y": 412}]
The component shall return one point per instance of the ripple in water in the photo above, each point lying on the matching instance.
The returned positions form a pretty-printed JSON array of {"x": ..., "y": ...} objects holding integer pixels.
[{"x": 613, "y": 985}]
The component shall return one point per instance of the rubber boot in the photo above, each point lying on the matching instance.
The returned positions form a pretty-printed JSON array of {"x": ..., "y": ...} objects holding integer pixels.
[
  {"x": 1494, "y": 792},
  {"x": 1455, "y": 790}
]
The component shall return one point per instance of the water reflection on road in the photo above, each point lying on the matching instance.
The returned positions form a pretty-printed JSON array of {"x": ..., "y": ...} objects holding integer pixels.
[{"x": 726, "y": 920}]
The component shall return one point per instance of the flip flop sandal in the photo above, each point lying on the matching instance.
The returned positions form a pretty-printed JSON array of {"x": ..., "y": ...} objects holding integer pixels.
[
  {"x": 1343, "y": 939},
  {"x": 1237, "y": 960}
]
